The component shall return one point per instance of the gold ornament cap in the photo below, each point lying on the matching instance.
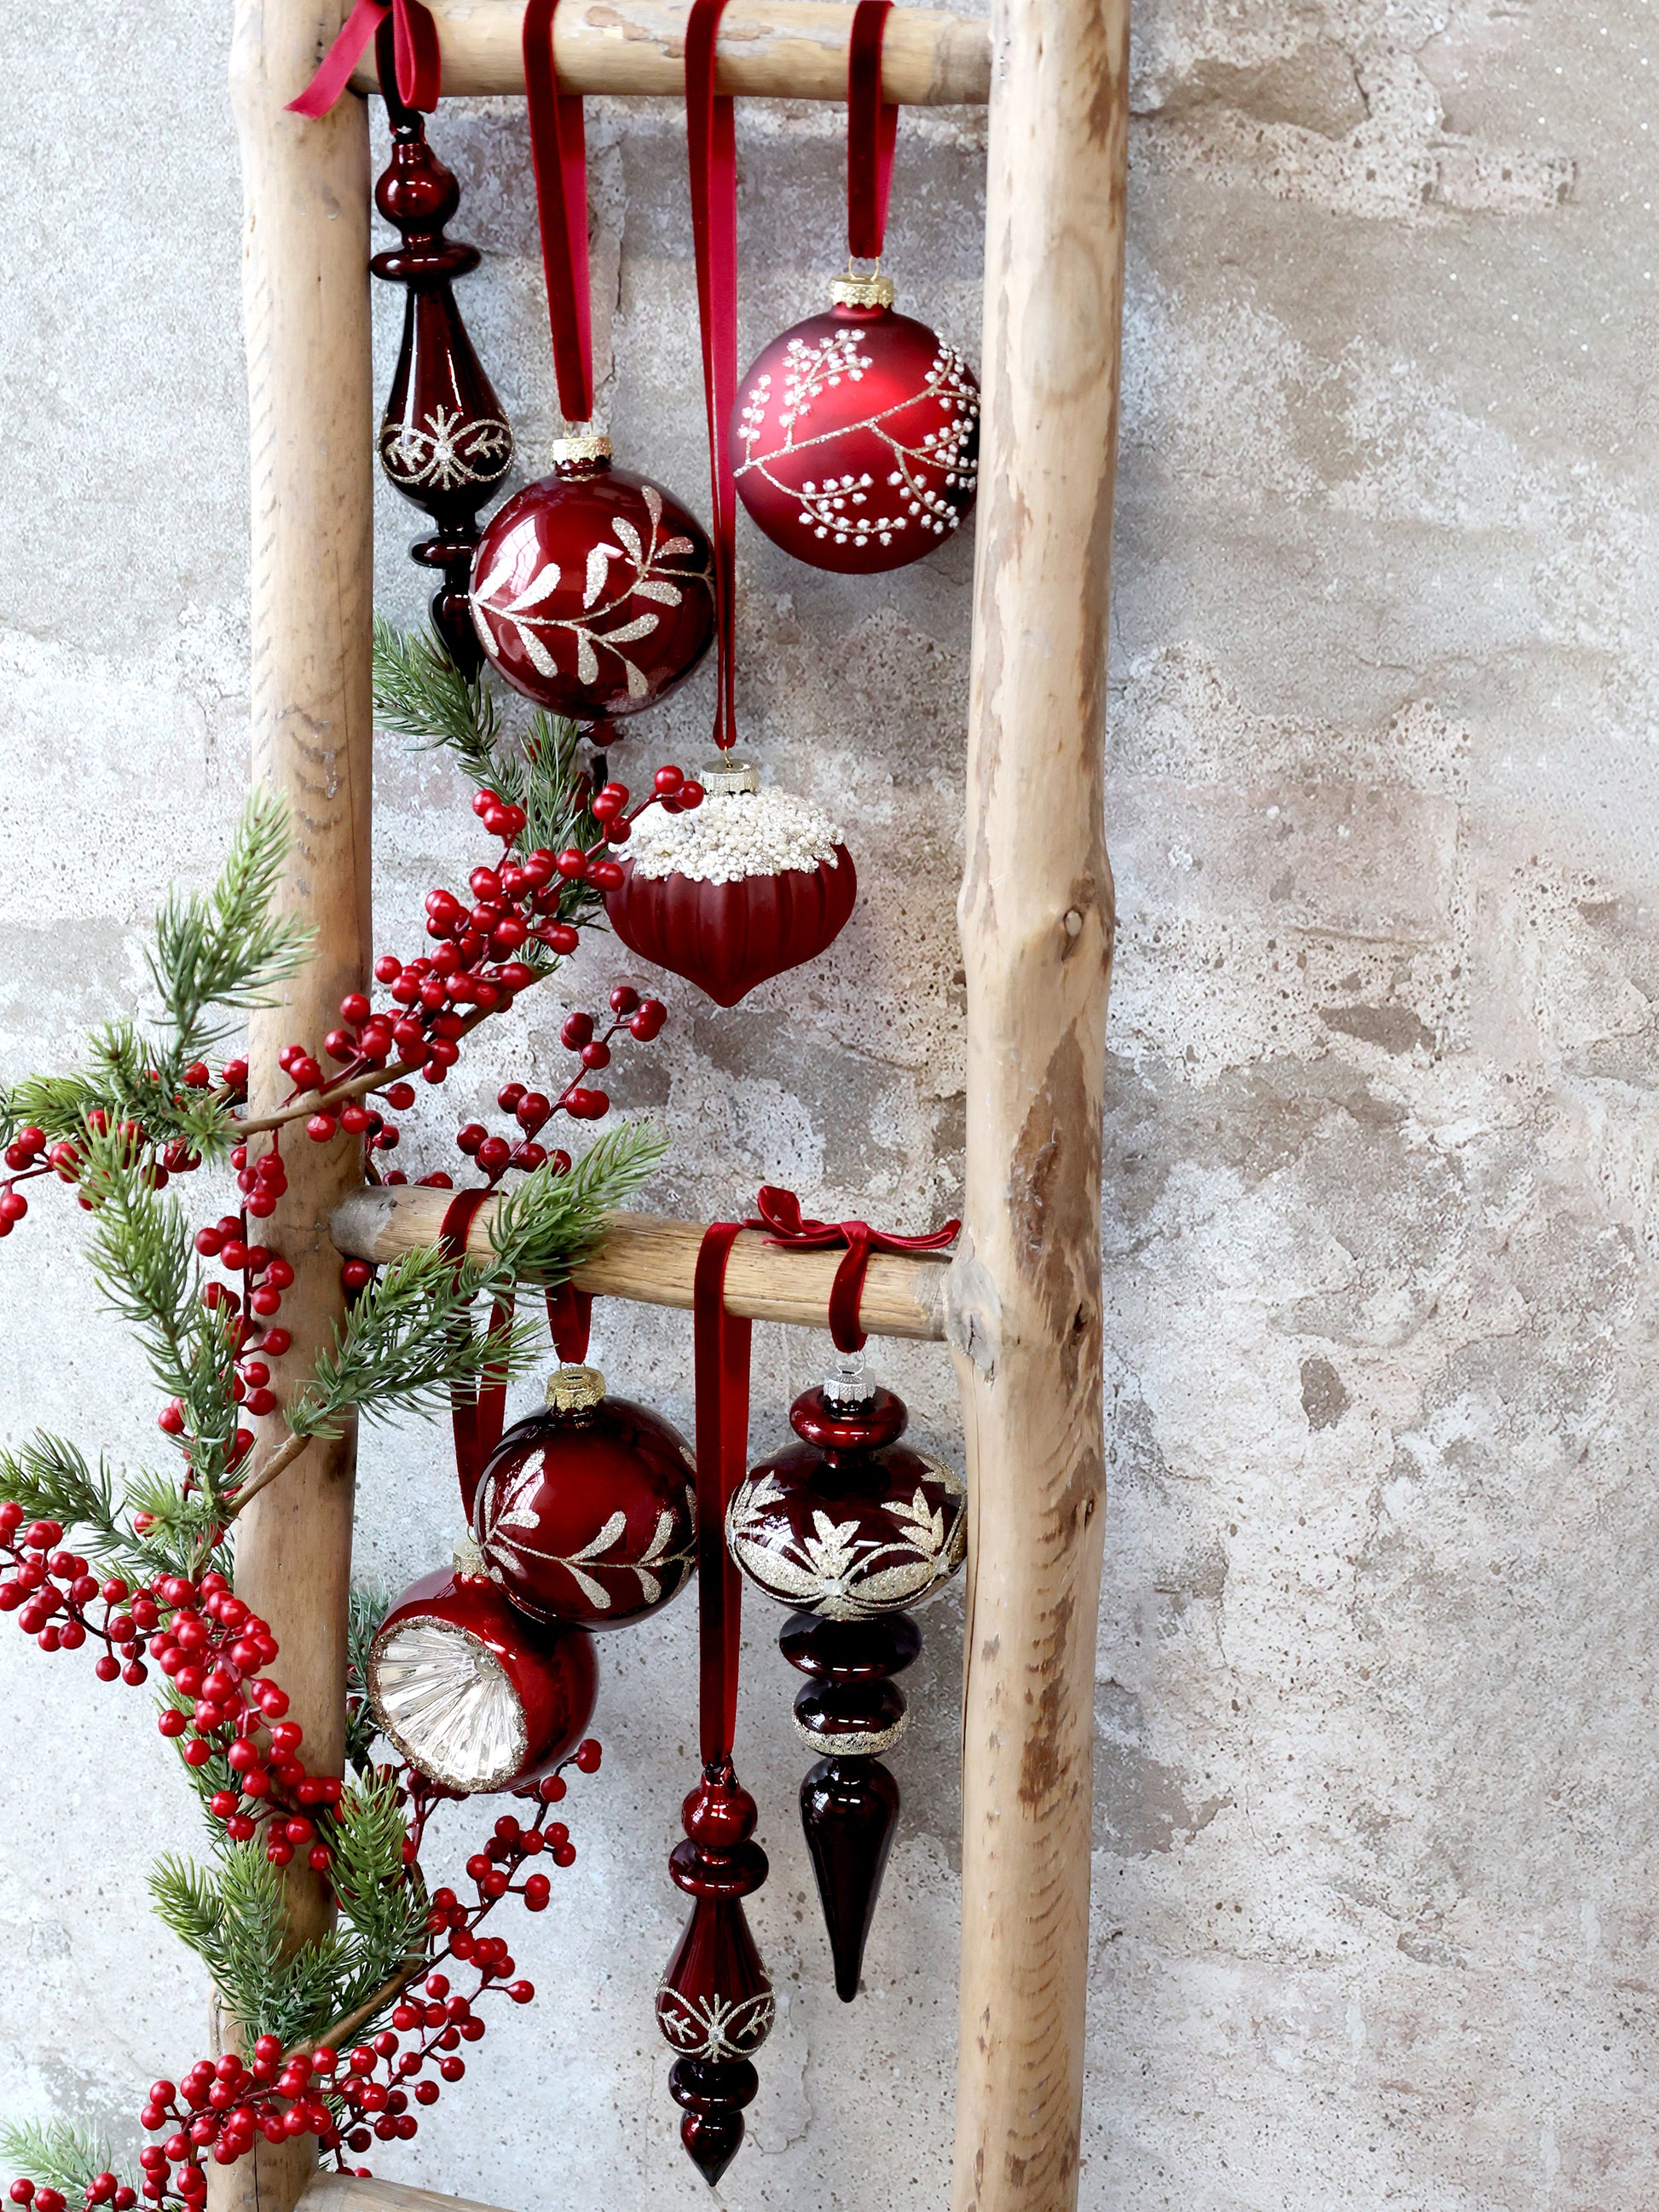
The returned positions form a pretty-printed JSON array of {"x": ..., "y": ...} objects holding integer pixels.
[
  {"x": 581, "y": 452},
  {"x": 468, "y": 1559},
  {"x": 574, "y": 1389},
  {"x": 850, "y": 291},
  {"x": 729, "y": 779}
]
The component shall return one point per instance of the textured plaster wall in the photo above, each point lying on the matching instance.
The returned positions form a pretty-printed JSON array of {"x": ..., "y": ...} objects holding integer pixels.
[{"x": 1377, "y": 1875}]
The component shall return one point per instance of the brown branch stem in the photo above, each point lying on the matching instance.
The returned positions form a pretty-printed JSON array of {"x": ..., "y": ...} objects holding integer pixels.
[
  {"x": 321, "y": 1101},
  {"x": 282, "y": 1459}
]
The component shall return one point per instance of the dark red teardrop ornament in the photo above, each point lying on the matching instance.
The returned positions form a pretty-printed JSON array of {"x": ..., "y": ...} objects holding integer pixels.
[
  {"x": 853, "y": 1529},
  {"x": 849, "y": 1802},
  {"x": 472, "y": 1693},
  {"x": 855, "y": 438},
  {"x": 714, "y": 2005},
  {"x": 727, "y": 936},
  {"x": 592, "y": 589},
  {"x": 587, "y": 1512},
  {"x": 444, "y": 440}
]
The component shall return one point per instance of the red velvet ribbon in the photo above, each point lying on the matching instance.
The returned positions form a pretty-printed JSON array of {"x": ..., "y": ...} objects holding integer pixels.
[
  {"x": 478, "y": 1421},
  {"x": 871, "y": 129},
  {"x": 570, "y": 1316},
  {"x": 722, "y": 1341},
  {"x": 711, "y": 143},
  {"x": 415, "y": 44},
  {"x": 558, "y": 149},
  {"x": 781, "y": 1214}
]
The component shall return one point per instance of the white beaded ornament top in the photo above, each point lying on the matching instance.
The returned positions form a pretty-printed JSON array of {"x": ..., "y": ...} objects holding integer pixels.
[{"x": 735, "y": 834}]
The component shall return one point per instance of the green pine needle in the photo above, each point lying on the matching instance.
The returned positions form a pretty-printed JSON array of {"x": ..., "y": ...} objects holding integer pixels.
[
  {"x": 543, "y": 1230},
  {"x": 57, "y": 2153},
  {"x": 227, "y": 949}
]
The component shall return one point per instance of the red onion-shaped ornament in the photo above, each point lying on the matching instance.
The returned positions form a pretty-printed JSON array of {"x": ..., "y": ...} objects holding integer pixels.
[
  {"x": 749, "y": 884},
  {"x": 854, "y": 439},
  {"x": 470, "y": 1692},
  {"x": 592, "y": 589},
  {"x": 587, "y": 1513}
]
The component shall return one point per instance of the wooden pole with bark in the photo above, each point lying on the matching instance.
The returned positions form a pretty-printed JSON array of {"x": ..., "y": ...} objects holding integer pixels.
[
  {"x": 310, "y": 403},
  {"x": 1036, "y": 919}
]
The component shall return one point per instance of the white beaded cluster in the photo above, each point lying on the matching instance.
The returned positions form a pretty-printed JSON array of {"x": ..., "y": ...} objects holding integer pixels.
[{"x": 732, "y": 835}]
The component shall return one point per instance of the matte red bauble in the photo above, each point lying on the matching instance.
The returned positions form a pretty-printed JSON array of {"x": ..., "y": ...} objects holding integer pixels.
[
  {"x": 751, "y": 884},
  {"x": 587, "y": 1512},
  {"x": 592, "y": 590},
  {"x": 855, "y": 435},
  {"x": 470, "y": 1694}
]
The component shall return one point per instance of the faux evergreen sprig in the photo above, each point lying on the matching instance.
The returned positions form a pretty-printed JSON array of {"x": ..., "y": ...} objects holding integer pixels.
[
  {"x": 421, "y": 695},
  {"x": 215, "y": 954}
]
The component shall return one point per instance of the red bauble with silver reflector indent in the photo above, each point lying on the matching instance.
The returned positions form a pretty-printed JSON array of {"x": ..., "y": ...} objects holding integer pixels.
[
  {"x": 752, "y": 882},
  {"x": 587, "y": 1512},
  {"x": 855, "y": 435},
  {"x": 592, "y": 589},
  {"x": 472, "y": 1693}
]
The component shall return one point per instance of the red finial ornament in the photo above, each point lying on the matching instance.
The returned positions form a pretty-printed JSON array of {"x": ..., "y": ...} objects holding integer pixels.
[
  {"x": 592, "y": 589},
  {"x": 855, "y": 436},
  {"x": 444, "y": 442},
  {"x": 899, "y": 1531}
]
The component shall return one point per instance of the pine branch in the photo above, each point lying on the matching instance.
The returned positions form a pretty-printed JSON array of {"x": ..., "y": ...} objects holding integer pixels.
[
  {"x": 420, "y": 694},
  {"x": 406, "y": 1344},
  {"x": 55, "y": 2152},
  {"x": 143, "y": 1256},
  {"x": 547, "y": 1228},
  {"x": 227, "y": 949},
  {"x": 223, "y": 950},
  {"x": 50, "y": 1479},
  {"x": 369, "y": 1604}
]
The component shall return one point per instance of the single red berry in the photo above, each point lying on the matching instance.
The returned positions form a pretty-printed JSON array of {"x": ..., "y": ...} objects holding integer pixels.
[
  {"x": 321, "y": 1127},
  {"x": 400, "y": 1095},
  {"x": 356, "y": 1275},
  {"x": 576, "y": 1032},
  {"x": 589, "y": 1753}
]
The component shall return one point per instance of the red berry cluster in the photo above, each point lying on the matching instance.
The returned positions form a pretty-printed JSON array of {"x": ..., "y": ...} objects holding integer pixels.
[
  {"x": 104, "y": 2190},
  {"x": 51, "y": 1591},
  {"x": 251, "y": 1314},
  {"x": 348, "y": 2100}
]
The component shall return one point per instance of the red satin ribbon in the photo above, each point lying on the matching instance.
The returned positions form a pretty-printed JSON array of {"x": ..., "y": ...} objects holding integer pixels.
[
  {"x": 478, "y": 1421},
  {"x": 711, "y": 143},
  {"x": 872, "y": 129},
  {"x": 415, "y": 43},
  {"x": 780, "y": 1214},
  {"x": 722, "y": 1341},
  {"x": 558, "y": 149}
]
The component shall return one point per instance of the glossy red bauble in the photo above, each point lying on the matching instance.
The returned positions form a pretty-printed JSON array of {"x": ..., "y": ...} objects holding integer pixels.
[
  {"x": 849, "y": 1523},
  {"x": 587, "y": 1512},
  {"x": 855, "y": 435},
  {"x": 472, "y": 1694},
  {"x": 592, "y": 590},
  {"x": 746, "y": 899}
]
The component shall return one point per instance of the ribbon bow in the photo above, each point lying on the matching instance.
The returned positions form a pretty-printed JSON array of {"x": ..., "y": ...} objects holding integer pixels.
[
  {"x": 415, "y": 43},
  {"x": 781, "y": 1214}
]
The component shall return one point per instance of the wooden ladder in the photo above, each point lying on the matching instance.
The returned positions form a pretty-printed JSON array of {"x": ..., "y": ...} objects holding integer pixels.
[{"x": 1020, "y": 1305}]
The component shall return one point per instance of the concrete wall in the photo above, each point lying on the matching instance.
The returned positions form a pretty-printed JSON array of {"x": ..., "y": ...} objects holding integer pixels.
[{"x": 1377, "y": 1878}]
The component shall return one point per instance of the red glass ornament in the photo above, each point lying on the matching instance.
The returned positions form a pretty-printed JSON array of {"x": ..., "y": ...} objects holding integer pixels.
[
  {"x": 587, "y": 1512},
  {"x": 472, "y": 1694},
  {"x": 592, "y": 589},
  {"x": 855, "y": 435},
  {"x": 728, "y": 937},
  {"x": 444, "y": 441},
  {"x": 853, "y": 1529},
  {"x": 715, "y": 2005}
]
